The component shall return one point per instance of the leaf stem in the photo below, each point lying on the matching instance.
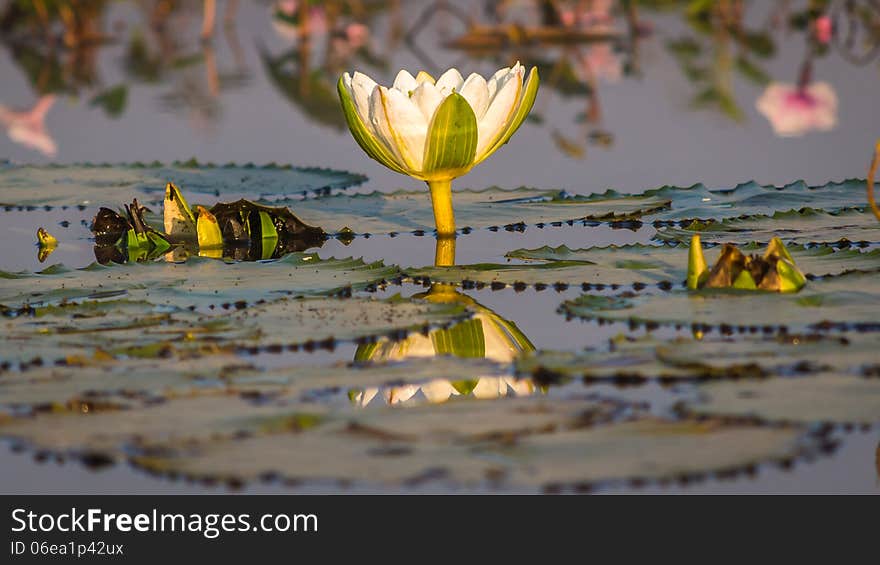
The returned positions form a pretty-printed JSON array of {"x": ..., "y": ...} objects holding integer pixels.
[{"x": 441, "y": 198}]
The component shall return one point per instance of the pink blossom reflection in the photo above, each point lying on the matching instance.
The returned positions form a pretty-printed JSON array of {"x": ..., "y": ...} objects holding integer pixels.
[
  {"x": 28, "y": 128},
  {"x": 794, "y": 111}
]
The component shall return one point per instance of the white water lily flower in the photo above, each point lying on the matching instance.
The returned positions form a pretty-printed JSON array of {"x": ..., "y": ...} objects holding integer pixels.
[{"x": 437, "y": 130}]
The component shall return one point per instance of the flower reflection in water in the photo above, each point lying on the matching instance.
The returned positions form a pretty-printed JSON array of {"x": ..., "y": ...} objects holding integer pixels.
[
  {"x": 486, "y": 335},
  {"x": 794, "y": 111},
  {"x": 28, "y": 128}
]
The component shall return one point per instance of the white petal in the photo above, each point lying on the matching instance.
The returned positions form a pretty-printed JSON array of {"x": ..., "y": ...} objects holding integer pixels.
[
  {"x": 476, "y": 92},
  {"x": 427, "y": 97},
  {"x": 398, "y": 394},
  {"x": 492, "y": 83},
  {"x": 405, "y": 82},
  {"x": 499, "y": 113},
  {"x": 410, "y": 125},
  {"x": 438, "y": 390},
  {"x": 450, "y": 81},
  {"x": 380, "y": 127},
  {"x": 490, "y": 387},
  {"x": 361, "y": 88}
]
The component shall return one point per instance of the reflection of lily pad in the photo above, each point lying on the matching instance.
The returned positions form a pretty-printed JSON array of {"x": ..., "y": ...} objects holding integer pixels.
[
  {"x": 822, "y": 398},
  {"x": 849, "y": 301},
  {"x": 197, "y": 282},
  {"x": 633, "y": 361},
  {"x": 378, "y": 212},
  {"x": 72, "y": 185},
  {"x": 805, "y": 226},
  {"x": 627, "y": 265}
]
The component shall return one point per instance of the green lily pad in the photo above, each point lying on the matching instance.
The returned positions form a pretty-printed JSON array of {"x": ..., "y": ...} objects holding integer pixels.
[
  {"x": 202, "y": 418},
  {"x": 646, "y": 449},
  {"x": 128, "y": 383},
  {"x": 392, "y": 446},
  {"x": 822, "y": 398},
  {"x": 638, "y": 360},
  {"x": 801, "y": 226},
  {"x": 378, "y": 213},
  {"x": 751, "y": 198},
  {"x": 197, "y": 282},
  {"x": 138, "y": 329},
  {"x": 847, "y": 302},
  {"x": 76, "y": 185},
  {"x": 627, "y": 265}
]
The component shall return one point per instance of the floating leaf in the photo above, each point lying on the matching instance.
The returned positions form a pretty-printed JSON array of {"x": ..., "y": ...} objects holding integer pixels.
[
  {"x": 138, "y": 329},
  {"x": 635, "y": 361},
  {"x": 627, "y": 265},
  {"x": 846, "y": 302},
  {"x": 821, "y": 398},
  {"x": 804, "y": 226},
  {"x": 646, "y": 449},
  {"x": 74, "y": 185},
  {"x": 378, "y": 212},
  {"x": 751, "y": 198},
  {"x": 196, "y": 282}
]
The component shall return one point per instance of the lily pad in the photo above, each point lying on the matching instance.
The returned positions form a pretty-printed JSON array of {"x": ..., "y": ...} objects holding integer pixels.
[
  {"x": 646, "y": 449},
  {"x": 822, "y": 398},
  {"x": 378, "y": 212},
  {"x": 636, "y": 264},
  {"x": 118, "y": 383},
  {"x": 113, "y": 432},
  {"x": 847, "y": 302},
  {"x": 751, "y": 198},
  {"x": 637, "y": 360},
  {"x": 392, "y": 446},
  {"x": 799, "y": 226},
  {"x": 197, "y": 282},
  {"x": 137, "y": 329},
  {"x": 84, "y": 185}
]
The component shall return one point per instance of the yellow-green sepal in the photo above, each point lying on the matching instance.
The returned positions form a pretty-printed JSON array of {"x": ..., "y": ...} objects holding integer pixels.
[
  {"x": 745, "y": 281},
  {"x": 452, "y": 139},
  {"x": 697, "y": 268},
  {"x": 530, "y": 93},
  {"x": 208, "y": 230},
  {"x": 791, "y": 279},
  {"x": 359, "y": 131},
  {"x": 268, "y": 235},
  {"x": 777, "y": 248}
]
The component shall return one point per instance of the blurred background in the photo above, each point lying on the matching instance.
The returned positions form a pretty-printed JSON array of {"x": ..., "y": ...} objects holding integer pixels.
[{"x": 634, "y": 94}]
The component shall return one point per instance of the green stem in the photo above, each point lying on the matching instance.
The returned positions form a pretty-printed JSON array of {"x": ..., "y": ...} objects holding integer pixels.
[{"x": 441, "y": 198}]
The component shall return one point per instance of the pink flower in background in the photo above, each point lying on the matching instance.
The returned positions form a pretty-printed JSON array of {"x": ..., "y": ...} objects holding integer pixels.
[
  {"x": 824, "y": 29},
  {"x": 794, "y": 111},
  {"x": 28, "y": 128}
]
